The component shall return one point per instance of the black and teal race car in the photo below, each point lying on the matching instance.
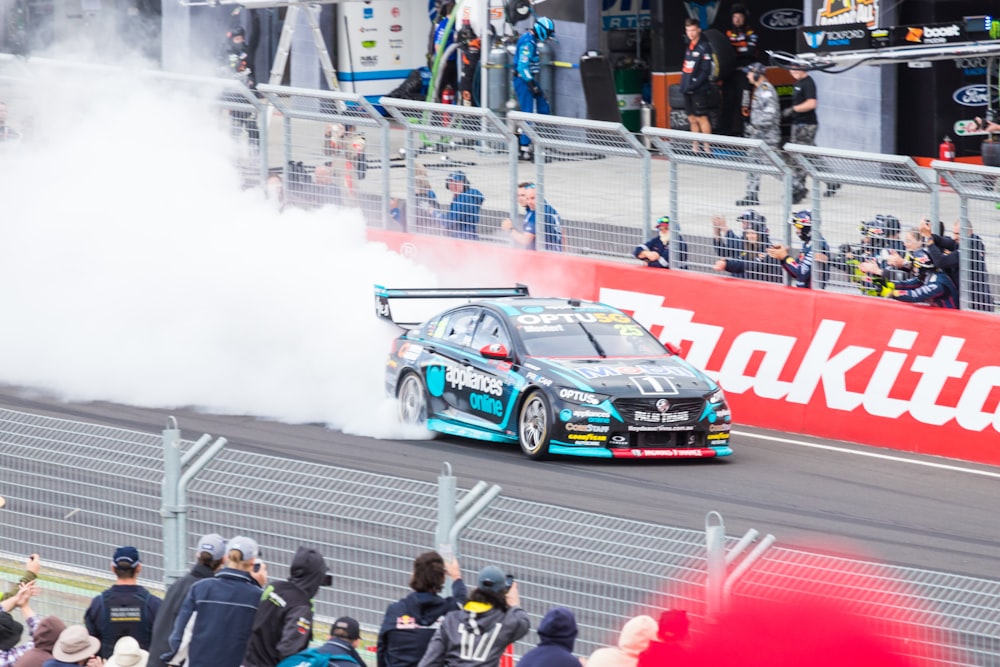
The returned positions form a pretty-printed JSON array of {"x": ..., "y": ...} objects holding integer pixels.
[{"x": 558, "y": 376}]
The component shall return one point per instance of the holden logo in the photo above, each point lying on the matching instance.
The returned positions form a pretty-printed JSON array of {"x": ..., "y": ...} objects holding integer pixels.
[
  {"x": 782, "y": 19},
  {"x": 972, "y": 96},
  {"x": 663, "y": 405}
]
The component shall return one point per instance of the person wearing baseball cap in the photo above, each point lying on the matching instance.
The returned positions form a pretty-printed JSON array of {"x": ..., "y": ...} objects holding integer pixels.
[
  {"x": 462, "y": 217},
  {"x": 223, "y": 607},
  {"x": 126, "y": 609},
  {"x": 345, "y": 638},
  {"x": 209, "y": 553},
  {"x": 484, "y": 627},
  {"x": 656, "y": 251}
]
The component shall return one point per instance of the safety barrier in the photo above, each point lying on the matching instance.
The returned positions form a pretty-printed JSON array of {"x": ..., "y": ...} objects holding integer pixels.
[{"x": 75, "y": 491}]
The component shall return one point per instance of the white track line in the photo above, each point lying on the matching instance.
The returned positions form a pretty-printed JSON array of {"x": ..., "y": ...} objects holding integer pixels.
[{"x": 874, "y": 455}]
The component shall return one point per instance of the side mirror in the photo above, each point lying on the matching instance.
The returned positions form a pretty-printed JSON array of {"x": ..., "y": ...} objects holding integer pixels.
[
  {"x": 495, "y": 351},
  {"x": 672, "y": 349}
]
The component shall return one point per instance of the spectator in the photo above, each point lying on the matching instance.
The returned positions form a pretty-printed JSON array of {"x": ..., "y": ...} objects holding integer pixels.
[
  {"x": 746, "y": 255},
  {"x": 76, "y": 647},
  {"x": 275, "y": 189},
  {"x": 44, "y": 639},
  {"x": 667, "y": 648},
  {"x": 879, "y": 242},
  {"x": 945, "y": 253},
  {"x": 981, "y": 125},
  {"x": 763, "y": 122},
  {"x": 427, "y": 205},
  {"x": 805, "y": 122},
  {"x": 525, "y": 237},
  {"x": 125, "y": 609},
  {"x": 221, "y": 611},
  {"x": 735, "y": 94},
  {"x": 490, "y": 621},
  {"x": 462, "y": 217},
  {"x": 409, "y": 623},
  {"x": 209, "y": 554},
  {"x": 284, "y": 620},
  {"x": 556, "y": 635},
  {"x": 656, "y": 251},
  {"x": 345, "y": 637},
  {"x": 127, "y": 654},
  {"x": 701, "y": 93},
  {"x": 802, "y": 268},
  {"x": 636, "y": 635},
  {"x": 10, "y": 630},
  {"x": 32, "y": 566},
  {"x": 7, "y": 133},
  {"x": 236, "y": 65},
  {"x": 527, "y": 64},
  {"x": 326, "y": 192},
  {"x": 928, "y": 285}
]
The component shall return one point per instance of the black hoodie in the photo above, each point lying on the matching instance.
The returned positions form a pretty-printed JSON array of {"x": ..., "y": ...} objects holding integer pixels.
[
  {"x": 556, "y": 636},
  {"x": 283, "y": 624}
]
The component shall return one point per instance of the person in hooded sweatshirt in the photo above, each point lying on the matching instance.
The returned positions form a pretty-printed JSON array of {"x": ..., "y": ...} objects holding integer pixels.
[
  {"x": 284, "y": 620},
  {"x": 410, "y": 623},
  {"x": 556, "y": 636},
  {"x": 46, "y": 633},
  {"x": 635, "y": 638},
  {"x": 209, "y": 554},
  {"x": 478, "y": 634}
]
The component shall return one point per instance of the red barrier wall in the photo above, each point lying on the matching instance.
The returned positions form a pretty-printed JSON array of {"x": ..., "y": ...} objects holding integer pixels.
[{"x": 836, "y": 366}]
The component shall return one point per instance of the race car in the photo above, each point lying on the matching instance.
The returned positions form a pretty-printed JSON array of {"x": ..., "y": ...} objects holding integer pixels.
[{"x": 558, "y": 376}]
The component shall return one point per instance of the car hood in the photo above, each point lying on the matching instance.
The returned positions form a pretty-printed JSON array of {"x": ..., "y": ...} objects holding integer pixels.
[{"x": 611, "y": 376}]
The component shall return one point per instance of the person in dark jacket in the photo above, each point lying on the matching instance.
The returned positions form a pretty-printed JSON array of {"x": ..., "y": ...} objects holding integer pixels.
[
  {"x": 46, "y": 633},
  {"x": 701, "y": 93},
  {"x": 209, "y": 552},
  {"x": 556, "y": 636},
  {"x": 656, "y": 251},
  {"x": 221, "y": 611},
  {"x": 345, "y": 637},
  {"x": 284, "y": 620},
  {"x": 125, "y": 609},
  {"x": 462, "y": 217},
  {"x": 478, "y": 634},
  {"x": 410, "y": 623}
]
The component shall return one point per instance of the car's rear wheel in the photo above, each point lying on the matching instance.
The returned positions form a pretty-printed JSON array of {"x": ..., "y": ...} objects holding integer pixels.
[
  {"x": 412, "y": 401},
  {"x": 534, "y": 425}
]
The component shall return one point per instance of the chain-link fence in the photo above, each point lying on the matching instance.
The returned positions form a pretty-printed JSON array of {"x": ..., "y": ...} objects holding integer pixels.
[
  {"x": 466, "y": 152},
  {"x": 75, "y": 491},
  {"x": 729, "y": 198}
]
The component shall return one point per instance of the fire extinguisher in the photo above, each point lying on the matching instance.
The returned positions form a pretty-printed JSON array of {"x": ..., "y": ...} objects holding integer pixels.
[
  {"x": 946, "y": 151},
  {"x": 447, "y": 97}
]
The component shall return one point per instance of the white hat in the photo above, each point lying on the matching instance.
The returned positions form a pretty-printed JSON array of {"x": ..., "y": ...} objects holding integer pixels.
[{"x": 127, "y": 654}]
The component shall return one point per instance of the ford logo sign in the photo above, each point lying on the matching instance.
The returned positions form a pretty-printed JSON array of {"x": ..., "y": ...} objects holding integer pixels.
[
  {"x": 782, "y": 19},
  {"x": 972, "y": 96}
]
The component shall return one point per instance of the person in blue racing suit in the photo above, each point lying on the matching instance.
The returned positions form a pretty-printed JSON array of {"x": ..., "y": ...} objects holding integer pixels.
[
  {"x": 802, "y": 268},
  {"x": 929, "y": 283},
  {"x": 530, "y": 96}
]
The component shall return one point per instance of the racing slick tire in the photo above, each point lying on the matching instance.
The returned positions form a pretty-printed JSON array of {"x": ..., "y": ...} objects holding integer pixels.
[
  {"x": 412, "y": 407},
  {"x": 534, "y": 425}
]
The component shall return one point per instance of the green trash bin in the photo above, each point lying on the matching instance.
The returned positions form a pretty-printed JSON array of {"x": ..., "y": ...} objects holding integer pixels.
[{"x": 628, "y": 86}]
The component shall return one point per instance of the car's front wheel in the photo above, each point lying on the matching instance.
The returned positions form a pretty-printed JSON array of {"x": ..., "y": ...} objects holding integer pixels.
[
  {"x": 534, "y": 425},
  {"x": 412, "y": 401}
]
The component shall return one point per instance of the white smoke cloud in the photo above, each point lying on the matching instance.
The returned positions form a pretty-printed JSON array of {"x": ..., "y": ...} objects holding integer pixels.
[{"x": 136, "y": 269}]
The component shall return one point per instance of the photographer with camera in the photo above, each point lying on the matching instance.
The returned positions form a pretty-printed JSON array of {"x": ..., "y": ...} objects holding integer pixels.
[
  {"x": 478, "y": 634},
  {"x": 879, "y": 244}
]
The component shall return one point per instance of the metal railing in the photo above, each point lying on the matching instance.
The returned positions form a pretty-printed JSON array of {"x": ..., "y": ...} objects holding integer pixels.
[{"x": 75, "y": 491}]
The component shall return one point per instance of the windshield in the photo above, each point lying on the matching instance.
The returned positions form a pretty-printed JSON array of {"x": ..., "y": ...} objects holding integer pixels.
[{"x": 585, "y": 334}]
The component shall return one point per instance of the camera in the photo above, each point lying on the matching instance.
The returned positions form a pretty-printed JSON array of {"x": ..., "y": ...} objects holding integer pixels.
[
  {"x": 510, "y": 580},
  {"x": 327, "y": 580},
  {"x": 256, "y": 566}
]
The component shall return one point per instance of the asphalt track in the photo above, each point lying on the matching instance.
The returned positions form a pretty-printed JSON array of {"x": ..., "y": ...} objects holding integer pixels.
[{"x": 852, "y": 500}]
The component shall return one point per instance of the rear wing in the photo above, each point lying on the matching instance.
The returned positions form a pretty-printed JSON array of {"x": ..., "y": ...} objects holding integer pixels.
[{"x": 383, "y": 295}]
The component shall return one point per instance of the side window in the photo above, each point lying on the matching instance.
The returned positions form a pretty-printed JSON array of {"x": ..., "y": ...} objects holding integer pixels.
[
  {"x": 460, "y": 326},
  {"x": 490, "y": 331}
]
